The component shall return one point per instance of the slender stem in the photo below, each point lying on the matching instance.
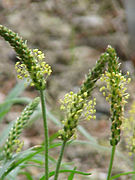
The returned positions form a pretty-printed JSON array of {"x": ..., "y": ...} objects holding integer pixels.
[
  {"x": 111, "y": 162},
  {"x": 59, "y": 161},
  {"x": 46, "y": 142},
  {"x": 133, "y": 177}
]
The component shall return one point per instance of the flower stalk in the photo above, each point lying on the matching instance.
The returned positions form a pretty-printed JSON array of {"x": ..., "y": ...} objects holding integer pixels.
[
  {"x": 46, "y": 142},
  {"x": 59, "y": 160},
  {"x": 111, "y": 162}
]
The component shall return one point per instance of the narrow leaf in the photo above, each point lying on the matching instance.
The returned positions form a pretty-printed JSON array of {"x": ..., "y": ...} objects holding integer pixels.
[
  {"x": 15, "y": 92},
  {"x": 66, "y": 170},
  {"x": 27, "y": 174},
  {"x": 18, "y": 160},
  {"x": 122, "y": 174},
  {"x": 71, "y": 176}
]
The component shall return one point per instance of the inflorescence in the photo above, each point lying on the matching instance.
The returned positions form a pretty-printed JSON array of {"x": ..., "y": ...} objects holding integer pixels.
[
  {"x": 75, "y": 107},
  {"x": 13, "y": 143},
  {"x": 31, "y": 62},
  {"x": 42, "y": 68},
  {"x": 115, "y": 92}
]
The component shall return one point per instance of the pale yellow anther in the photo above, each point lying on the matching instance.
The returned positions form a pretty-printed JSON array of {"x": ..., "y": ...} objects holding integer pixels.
[
  {"x": 104, "y": 94},
  {"x": 85, "y": 94},
  {"x": 129, "y": 80},
  {"x": 35, "y": 50}
]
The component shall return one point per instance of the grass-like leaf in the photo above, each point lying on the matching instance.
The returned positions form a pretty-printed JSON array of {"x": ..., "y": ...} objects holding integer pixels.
[
  {"x": 27, "y": 174},
  {"x": 67, "y": 171},
  {"x": 20, "y": 100},
  {"x": 122, "y": 174},
  {"x": 15, "y": 92},
  {"x": 103, "y": 149},
  {"x": 71, "y": 176},
  {"x": 5, "y": 133},
  {"x": 18, "y": 159}
]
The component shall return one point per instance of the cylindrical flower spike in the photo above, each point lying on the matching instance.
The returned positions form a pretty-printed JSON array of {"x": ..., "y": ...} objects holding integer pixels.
[
  {"x": 75, "y": 106},
  {"x": 94, "y": 74},
  {"x": 29, "y": 65},
  {"x": 18, "y": 126},
  {"x": 116, "y": 94},
  {"x": 77, "y": 103}
]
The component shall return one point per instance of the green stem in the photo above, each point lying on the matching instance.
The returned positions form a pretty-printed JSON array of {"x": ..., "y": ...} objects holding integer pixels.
[
  {"x": 59, "y": 160},
  {"x": 111, "y": 162},
  {"x": 133, "y": 177},
  {"x": 46, "y": 142}
]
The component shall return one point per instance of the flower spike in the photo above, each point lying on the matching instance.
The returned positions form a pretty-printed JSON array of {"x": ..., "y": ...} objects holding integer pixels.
[
  {"x": 18, "y": 126},
  {"x": 28, "y": 65}
]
